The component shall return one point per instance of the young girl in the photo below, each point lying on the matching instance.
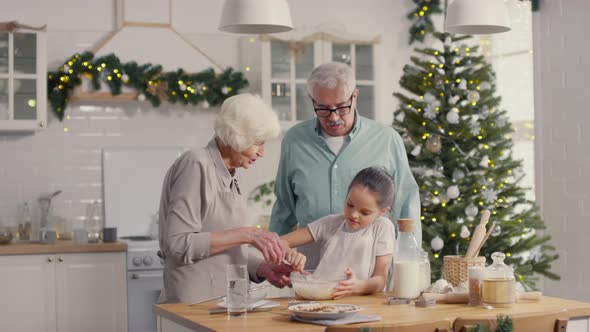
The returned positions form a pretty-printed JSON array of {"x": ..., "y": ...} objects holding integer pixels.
[{"x": 358, "y": 243}]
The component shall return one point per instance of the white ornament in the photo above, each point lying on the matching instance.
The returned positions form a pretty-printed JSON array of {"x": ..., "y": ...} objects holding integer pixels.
[
  {"x": 225, "y": 90},
  {"x": 435, "y": 200},
  {"x": 453, "y": 192},
  {"x": 458, "y": 174},
  {"x": 471, "y": 211},
  {"x": 206, "y": 104},
  {"x": 490, "y": 195},
  {"x": 473, "y": 96},
  {"x": 416, "y": 150},
  {"x": 460, "y": 221},
  {"x": 497, "y": 230},
  {"x": 430, "y": 112},
  {"x": 485, "y": 86},
  {"x": 141, "y": 97},
  {"x": 437, "y": 243},
  {"x": 440, "y": 71},
  {"x": 125, "y": 78},
  {"x": 429, "y": 97},
  {"x": 464, "y": 232},
  {"x": 475, "y": 129},
  {"x": 485, "y": 112},
  {"x": 463, "y": 85},
  {"x": 182, "y": 87},
  {"x": 484, "y": 161},
  {"x": 400, "y": 116},
  {"x": 453, "y": 116},
  {"x": 454, "y": 99}
]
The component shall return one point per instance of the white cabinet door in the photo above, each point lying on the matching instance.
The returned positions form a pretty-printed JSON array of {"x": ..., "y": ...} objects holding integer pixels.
[
  {"x": 91, "y": 292},
  {"x": 23, "y": 81},
  {"x": 27, "y": 287}
]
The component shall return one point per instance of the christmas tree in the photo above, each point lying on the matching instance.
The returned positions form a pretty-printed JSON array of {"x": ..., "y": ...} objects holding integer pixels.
[{"x": 460, "y": 150}]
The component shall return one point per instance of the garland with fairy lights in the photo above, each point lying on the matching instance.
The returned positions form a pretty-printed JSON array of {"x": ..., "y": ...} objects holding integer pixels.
[{"x": 151, "y": 83}]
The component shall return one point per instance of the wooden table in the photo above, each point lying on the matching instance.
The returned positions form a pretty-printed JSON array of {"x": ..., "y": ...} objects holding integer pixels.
[{"x": 182, "y": 317}]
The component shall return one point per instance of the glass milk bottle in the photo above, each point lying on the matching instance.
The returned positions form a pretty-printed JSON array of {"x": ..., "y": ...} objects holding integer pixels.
[
  {"x": 498, "y": 285},
  {"x": 408, "y": 281}
]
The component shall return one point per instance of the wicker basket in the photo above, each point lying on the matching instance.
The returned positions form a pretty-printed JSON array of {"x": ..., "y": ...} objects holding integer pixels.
[{"x": 456, "y": 268}]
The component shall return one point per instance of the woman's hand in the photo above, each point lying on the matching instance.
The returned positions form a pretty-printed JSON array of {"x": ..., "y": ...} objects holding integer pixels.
[
  {"x": 297, "y": 260},
  {"x": 347, "y": 287},
  {"x": 278, "y": 275},
  {"x": 268, "y": 243}
]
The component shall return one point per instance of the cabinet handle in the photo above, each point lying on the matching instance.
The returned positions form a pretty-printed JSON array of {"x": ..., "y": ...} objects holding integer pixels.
[
  {"x": 50, "y": 259},
  {"x": 41, "y": 124},
  {"x": 60, "y": 259}
]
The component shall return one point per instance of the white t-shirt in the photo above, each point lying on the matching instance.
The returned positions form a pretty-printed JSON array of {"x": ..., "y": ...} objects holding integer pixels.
[
  {"x": 343, "y": 248},
  {"x": 335, "y": 143}
]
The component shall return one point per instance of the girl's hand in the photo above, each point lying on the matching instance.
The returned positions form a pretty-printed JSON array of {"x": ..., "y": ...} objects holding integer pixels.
[
  {"x": 347, "y": 287},
  {"x": 297, "y": 260}
]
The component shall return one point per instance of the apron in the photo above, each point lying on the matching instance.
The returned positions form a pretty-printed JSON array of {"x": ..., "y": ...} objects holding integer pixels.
[{"x": 206, "y": 278}]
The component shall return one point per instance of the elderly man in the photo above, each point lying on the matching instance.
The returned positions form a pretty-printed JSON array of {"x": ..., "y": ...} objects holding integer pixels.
[{"x": 320, "y": 157}]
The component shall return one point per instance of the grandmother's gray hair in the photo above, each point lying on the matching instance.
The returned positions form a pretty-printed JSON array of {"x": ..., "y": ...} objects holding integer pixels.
[
  {"x": 244, "y": 120},
  {"x": 328, "y": 75}
]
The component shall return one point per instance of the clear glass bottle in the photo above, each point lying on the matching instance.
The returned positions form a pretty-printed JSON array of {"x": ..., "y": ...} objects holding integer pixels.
[
  {"x": 25, "y": 225},
  {"x": 425, "y": 269},
  {"x": 498, "y": 285},
  {"x": 93, "y": 221},
  {"x": 407, "y": 277}
]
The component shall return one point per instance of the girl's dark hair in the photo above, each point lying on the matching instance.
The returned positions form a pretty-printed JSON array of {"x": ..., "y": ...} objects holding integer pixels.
[{"x": 378, "y": 181}]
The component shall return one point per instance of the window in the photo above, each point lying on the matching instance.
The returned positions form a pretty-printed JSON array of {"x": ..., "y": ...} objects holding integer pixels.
[{"x": 287, "y": 64}]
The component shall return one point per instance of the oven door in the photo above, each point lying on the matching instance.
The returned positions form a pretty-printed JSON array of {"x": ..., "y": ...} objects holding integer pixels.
[{"x": 143, "y": 291}]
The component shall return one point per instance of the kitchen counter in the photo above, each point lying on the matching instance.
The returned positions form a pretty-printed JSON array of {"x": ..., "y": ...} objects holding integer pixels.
[
  {"x": 60, "y": 247},
  {"x": 182, "y": 317}
]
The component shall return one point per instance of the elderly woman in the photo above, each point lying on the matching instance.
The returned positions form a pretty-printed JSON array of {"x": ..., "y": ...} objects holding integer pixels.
[{"x": 202, "y": 212}]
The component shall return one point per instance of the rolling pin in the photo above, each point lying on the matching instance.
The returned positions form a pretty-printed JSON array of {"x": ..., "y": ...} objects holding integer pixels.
[
  {"x": 478, "y": 234},
  {"x": 464, "y": 297}
]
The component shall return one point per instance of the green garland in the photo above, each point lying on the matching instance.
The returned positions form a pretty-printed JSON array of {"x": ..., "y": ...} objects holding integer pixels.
[{"x": 206, "y": 87}]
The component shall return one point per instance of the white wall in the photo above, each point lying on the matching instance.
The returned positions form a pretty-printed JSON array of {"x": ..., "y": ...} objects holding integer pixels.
[
  {"x": 562, "y": 121},
  {"x": 56, "y": 159}
]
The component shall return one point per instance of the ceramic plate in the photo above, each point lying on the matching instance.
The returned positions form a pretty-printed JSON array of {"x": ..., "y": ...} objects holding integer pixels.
[{"x": 324, "y": 311}]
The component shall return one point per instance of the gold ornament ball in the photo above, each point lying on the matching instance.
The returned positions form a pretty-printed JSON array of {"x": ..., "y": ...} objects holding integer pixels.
[{"x": 433, "y": 144}]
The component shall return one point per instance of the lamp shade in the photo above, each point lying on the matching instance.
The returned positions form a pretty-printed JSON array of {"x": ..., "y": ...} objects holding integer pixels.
[
  {"x": 476, "y": 17},
  {"x": 255, "y": 16}
]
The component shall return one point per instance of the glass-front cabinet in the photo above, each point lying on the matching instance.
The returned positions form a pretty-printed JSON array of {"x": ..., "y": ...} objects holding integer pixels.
[
  {"x": 23, "y": 83},
  {"x": 287, "y": 64}
]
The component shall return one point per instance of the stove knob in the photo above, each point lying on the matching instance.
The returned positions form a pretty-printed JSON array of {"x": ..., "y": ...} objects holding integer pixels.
[
  {"x": 136, "y": 261},
  {"x": 147, "y": 260}
]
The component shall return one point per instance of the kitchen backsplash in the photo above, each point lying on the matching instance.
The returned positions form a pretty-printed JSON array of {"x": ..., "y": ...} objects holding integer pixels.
[{"x": 67, "y": 155}]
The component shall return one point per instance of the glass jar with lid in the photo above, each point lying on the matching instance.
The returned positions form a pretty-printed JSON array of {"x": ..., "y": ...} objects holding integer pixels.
[{"x": 498, "y": 285}]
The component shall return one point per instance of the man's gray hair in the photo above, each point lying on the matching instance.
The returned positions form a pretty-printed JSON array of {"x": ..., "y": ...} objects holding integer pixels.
[
  {"x": 328, "y": 75},
  {"x": 244, "y": 120}
]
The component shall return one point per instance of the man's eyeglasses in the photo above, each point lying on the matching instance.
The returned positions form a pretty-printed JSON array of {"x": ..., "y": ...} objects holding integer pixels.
[{"x": 325, "y": 112}]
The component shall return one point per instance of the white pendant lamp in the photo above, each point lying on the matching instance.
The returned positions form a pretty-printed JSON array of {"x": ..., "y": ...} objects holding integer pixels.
[
  {"x": 255, "y": 16},
  {"x": 476, "y": 17}
]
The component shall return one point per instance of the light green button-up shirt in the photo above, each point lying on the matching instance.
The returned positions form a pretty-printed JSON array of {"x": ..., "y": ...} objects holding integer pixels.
[{"x": 312, "y": 181}]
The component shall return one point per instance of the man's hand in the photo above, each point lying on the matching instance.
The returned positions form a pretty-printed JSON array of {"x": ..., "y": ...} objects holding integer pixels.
[{"x": 277, "y": 275}]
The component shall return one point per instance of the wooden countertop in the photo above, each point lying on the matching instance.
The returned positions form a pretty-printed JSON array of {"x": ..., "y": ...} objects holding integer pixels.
[
  {"x": 277, "y": 319},
  {"x": 60, "y": 247}
]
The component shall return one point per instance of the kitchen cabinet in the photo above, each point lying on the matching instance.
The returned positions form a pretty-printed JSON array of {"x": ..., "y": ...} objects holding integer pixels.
[
  {"x": 64, "y": 292},
  {"x": 23, "y": 81}
]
